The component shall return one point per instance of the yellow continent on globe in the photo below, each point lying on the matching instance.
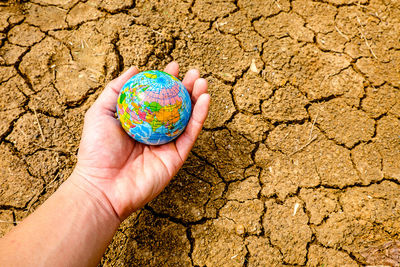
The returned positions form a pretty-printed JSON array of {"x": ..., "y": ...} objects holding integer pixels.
[{"x": 166, "y": 115}]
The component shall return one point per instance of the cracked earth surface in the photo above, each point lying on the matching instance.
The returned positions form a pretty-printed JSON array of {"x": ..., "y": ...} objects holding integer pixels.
[{"x": 298, "y": 162}]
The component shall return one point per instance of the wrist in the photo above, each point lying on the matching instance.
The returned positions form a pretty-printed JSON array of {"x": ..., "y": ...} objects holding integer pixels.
[
  {"x": 121, "y": 196},
  {"x": 98, "y": 200}
]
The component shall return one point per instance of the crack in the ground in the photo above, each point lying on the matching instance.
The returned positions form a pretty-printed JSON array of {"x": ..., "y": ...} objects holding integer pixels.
[
  {"x": 176, "y": 220},
  {"x": 191, "y": 242},
  {"x": 349, "y": 253},
  {"x": 11, "y": 127}
]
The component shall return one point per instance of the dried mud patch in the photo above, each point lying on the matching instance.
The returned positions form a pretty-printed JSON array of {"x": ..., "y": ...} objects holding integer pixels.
[{"x": 299, "y": 160}]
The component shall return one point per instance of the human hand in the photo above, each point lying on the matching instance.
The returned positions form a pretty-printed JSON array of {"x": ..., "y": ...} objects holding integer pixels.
[{"x": 128, "y": 173}]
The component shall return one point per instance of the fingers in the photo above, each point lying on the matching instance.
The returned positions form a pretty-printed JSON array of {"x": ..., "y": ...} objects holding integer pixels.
[
  {"x": 190, "y": 78},
  {"x": 172, "y": 68},
  {"x": 107, "y": 100},
  {"x": 200, "y": 87},
  {"x": 201, "y": 102},
  {"x": 186, "y": 141}
]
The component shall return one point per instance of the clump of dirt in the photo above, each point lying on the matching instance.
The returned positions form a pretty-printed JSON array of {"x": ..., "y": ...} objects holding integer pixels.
[{"x": 299, "y": 159}]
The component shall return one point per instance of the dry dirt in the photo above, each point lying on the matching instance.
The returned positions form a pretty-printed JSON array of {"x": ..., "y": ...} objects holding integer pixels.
[{"x": 299, "y": 160}]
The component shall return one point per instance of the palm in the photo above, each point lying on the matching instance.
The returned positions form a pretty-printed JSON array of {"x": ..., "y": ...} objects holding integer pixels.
[{"x": 130, "y": 173}]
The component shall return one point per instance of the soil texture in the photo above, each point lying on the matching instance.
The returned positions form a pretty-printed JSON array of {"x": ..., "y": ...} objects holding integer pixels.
[{"x": 298, "y": 162}]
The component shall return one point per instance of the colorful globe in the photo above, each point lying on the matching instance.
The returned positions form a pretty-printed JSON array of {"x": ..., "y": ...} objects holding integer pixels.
[{"x": 154, "y": 107}]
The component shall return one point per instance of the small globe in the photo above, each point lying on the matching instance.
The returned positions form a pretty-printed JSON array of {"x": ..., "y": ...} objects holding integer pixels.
[{"x": 154, "y": 107}]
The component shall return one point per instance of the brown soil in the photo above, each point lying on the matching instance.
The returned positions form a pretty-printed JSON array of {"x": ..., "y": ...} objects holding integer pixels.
[{"x": 299, "y": 161}]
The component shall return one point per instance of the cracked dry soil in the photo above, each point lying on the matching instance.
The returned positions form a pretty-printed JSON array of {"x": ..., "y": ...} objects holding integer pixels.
[{"x": 298, "y": 162}]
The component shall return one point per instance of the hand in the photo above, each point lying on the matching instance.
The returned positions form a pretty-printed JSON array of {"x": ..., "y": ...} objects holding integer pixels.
[{"x": 128, "y": 173}]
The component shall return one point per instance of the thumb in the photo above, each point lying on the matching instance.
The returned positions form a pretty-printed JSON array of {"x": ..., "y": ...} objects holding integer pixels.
[{"x": 107, "y": 100}]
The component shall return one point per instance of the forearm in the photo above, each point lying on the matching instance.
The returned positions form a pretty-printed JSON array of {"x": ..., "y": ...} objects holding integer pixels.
[{"x": 72, "y": 228}]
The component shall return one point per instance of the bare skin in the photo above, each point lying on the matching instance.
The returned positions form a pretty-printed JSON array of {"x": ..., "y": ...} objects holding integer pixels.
[{"x": 114, "y": 176}]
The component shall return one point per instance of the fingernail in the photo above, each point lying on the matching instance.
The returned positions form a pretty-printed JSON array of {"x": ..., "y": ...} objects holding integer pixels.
[
  {"x": 195, "y": 71},
  {"x": 202, "y": 80}
]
